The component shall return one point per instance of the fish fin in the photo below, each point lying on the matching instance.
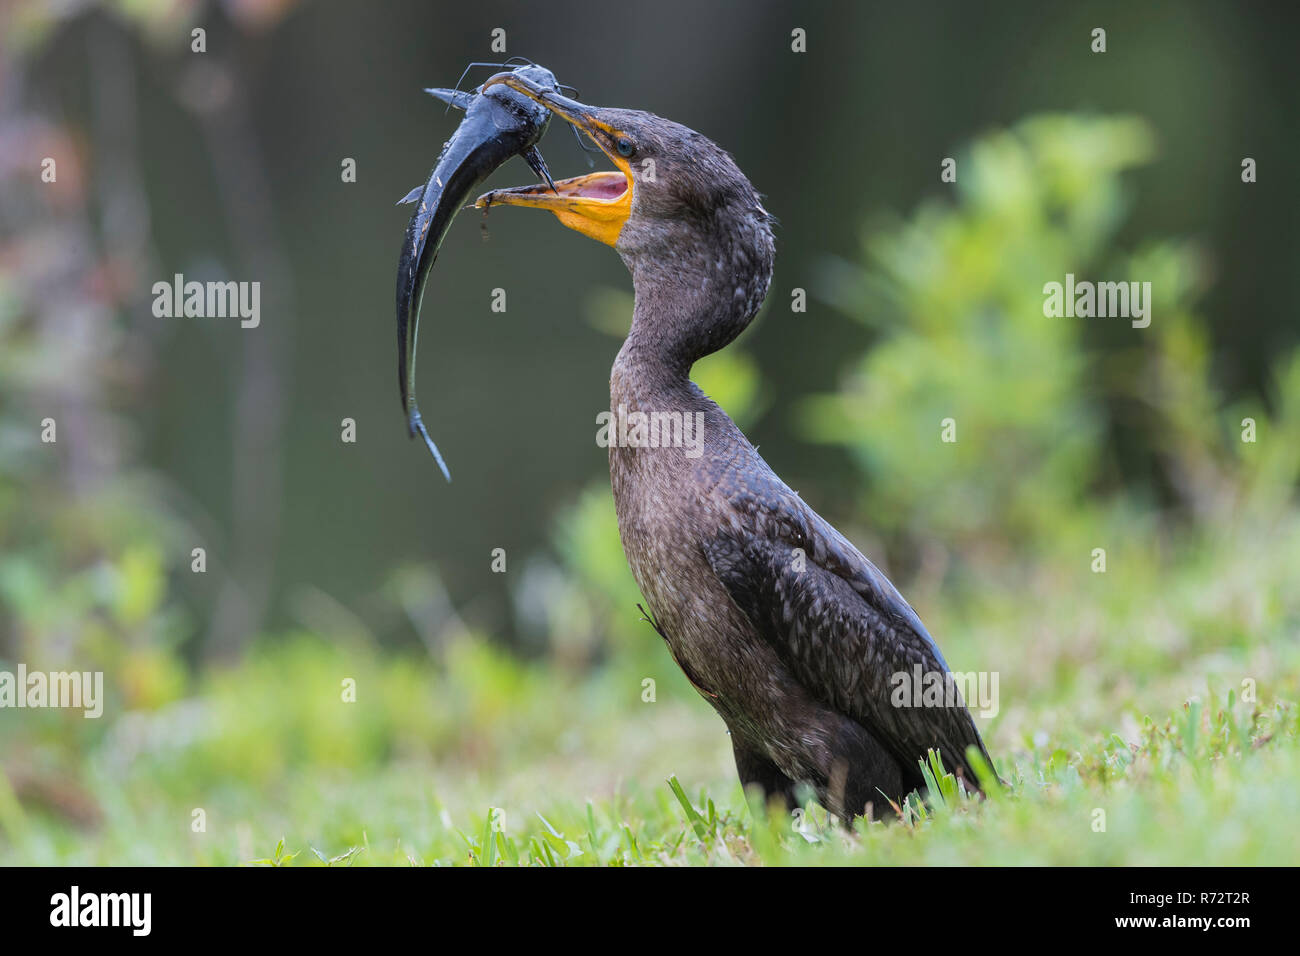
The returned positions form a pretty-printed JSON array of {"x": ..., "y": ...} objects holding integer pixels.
[
  {"x": 412, "y": 196},
  {"x": 533, "y": 157},
  {"x": 416, "y": 423},
  {"x": 451, "y": 97}
]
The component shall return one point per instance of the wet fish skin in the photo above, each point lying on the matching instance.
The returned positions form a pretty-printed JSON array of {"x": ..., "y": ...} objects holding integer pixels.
[{"x": 498, "y": 124}]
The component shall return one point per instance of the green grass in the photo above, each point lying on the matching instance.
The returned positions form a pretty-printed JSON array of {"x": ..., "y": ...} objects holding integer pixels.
[{"x": 1212, "y": 783}]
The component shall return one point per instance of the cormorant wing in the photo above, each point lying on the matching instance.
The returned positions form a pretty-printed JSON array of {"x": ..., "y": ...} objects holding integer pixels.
[{"x": 837, "y": 622}]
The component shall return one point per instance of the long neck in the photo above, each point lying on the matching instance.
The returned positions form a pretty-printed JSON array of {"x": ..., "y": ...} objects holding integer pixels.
[
  {"x": 691, "y": 301},
  {"x": 687, "y": 306},
  {"x": 675, "y": 321}
]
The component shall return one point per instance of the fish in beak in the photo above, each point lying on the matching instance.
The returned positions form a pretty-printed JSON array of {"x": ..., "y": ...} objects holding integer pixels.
[
  {"x": 597, "y": 204},
  {"x": 500, "y": 122}
]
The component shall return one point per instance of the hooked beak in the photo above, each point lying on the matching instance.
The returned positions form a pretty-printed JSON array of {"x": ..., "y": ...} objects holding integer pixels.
[{"x": 596, "y": 205}]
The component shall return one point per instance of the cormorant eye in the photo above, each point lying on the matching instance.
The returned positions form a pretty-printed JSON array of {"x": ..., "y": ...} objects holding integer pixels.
[{"x": 625, "y": 147}]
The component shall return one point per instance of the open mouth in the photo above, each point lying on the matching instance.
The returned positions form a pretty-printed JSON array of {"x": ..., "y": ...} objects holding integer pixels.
[
  {"x": 597, "y": 204},
  {"x": 605, "y": 186}
]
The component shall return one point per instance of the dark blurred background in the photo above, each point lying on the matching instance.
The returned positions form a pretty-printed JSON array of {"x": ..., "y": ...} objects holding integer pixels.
[{"x": 227, "y": 164}]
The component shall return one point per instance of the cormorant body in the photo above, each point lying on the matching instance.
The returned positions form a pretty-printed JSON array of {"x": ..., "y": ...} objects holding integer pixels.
[{"x": 785, "y": 628}]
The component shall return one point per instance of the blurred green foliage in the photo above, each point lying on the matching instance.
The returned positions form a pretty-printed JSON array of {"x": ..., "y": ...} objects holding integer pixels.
[
  {"x": 956, "y": 296},
  {"x": 86, "y": 577}
]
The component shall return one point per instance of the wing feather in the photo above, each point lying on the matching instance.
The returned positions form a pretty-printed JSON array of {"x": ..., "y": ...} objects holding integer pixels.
[{"x": 837, "y": 622}]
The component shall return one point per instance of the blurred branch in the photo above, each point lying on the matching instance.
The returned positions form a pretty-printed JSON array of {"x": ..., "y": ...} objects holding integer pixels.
[
  {"x": 123, "y": 201},
  {"x": 215, "y": 92}
]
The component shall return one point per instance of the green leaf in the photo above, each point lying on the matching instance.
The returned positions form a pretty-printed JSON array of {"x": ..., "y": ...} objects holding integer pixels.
[{"x": 696, "y": 821}]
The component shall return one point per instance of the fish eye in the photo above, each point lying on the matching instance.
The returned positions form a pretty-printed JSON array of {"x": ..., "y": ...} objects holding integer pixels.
[{"x": 624, "y": 146}]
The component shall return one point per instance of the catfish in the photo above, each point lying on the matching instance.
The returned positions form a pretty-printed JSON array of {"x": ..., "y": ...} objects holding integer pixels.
[{"x": 499, "y": 123}]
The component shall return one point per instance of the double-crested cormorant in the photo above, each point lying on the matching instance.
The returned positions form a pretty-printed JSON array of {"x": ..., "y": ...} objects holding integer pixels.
[{"x": 782, "y": 625}]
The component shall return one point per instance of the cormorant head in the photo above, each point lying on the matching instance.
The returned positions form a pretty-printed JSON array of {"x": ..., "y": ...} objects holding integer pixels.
[{"x": 676, "y": 206}]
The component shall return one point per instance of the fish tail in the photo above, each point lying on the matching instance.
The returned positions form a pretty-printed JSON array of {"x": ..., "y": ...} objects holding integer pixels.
[{"x": 416, "y": 423}]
